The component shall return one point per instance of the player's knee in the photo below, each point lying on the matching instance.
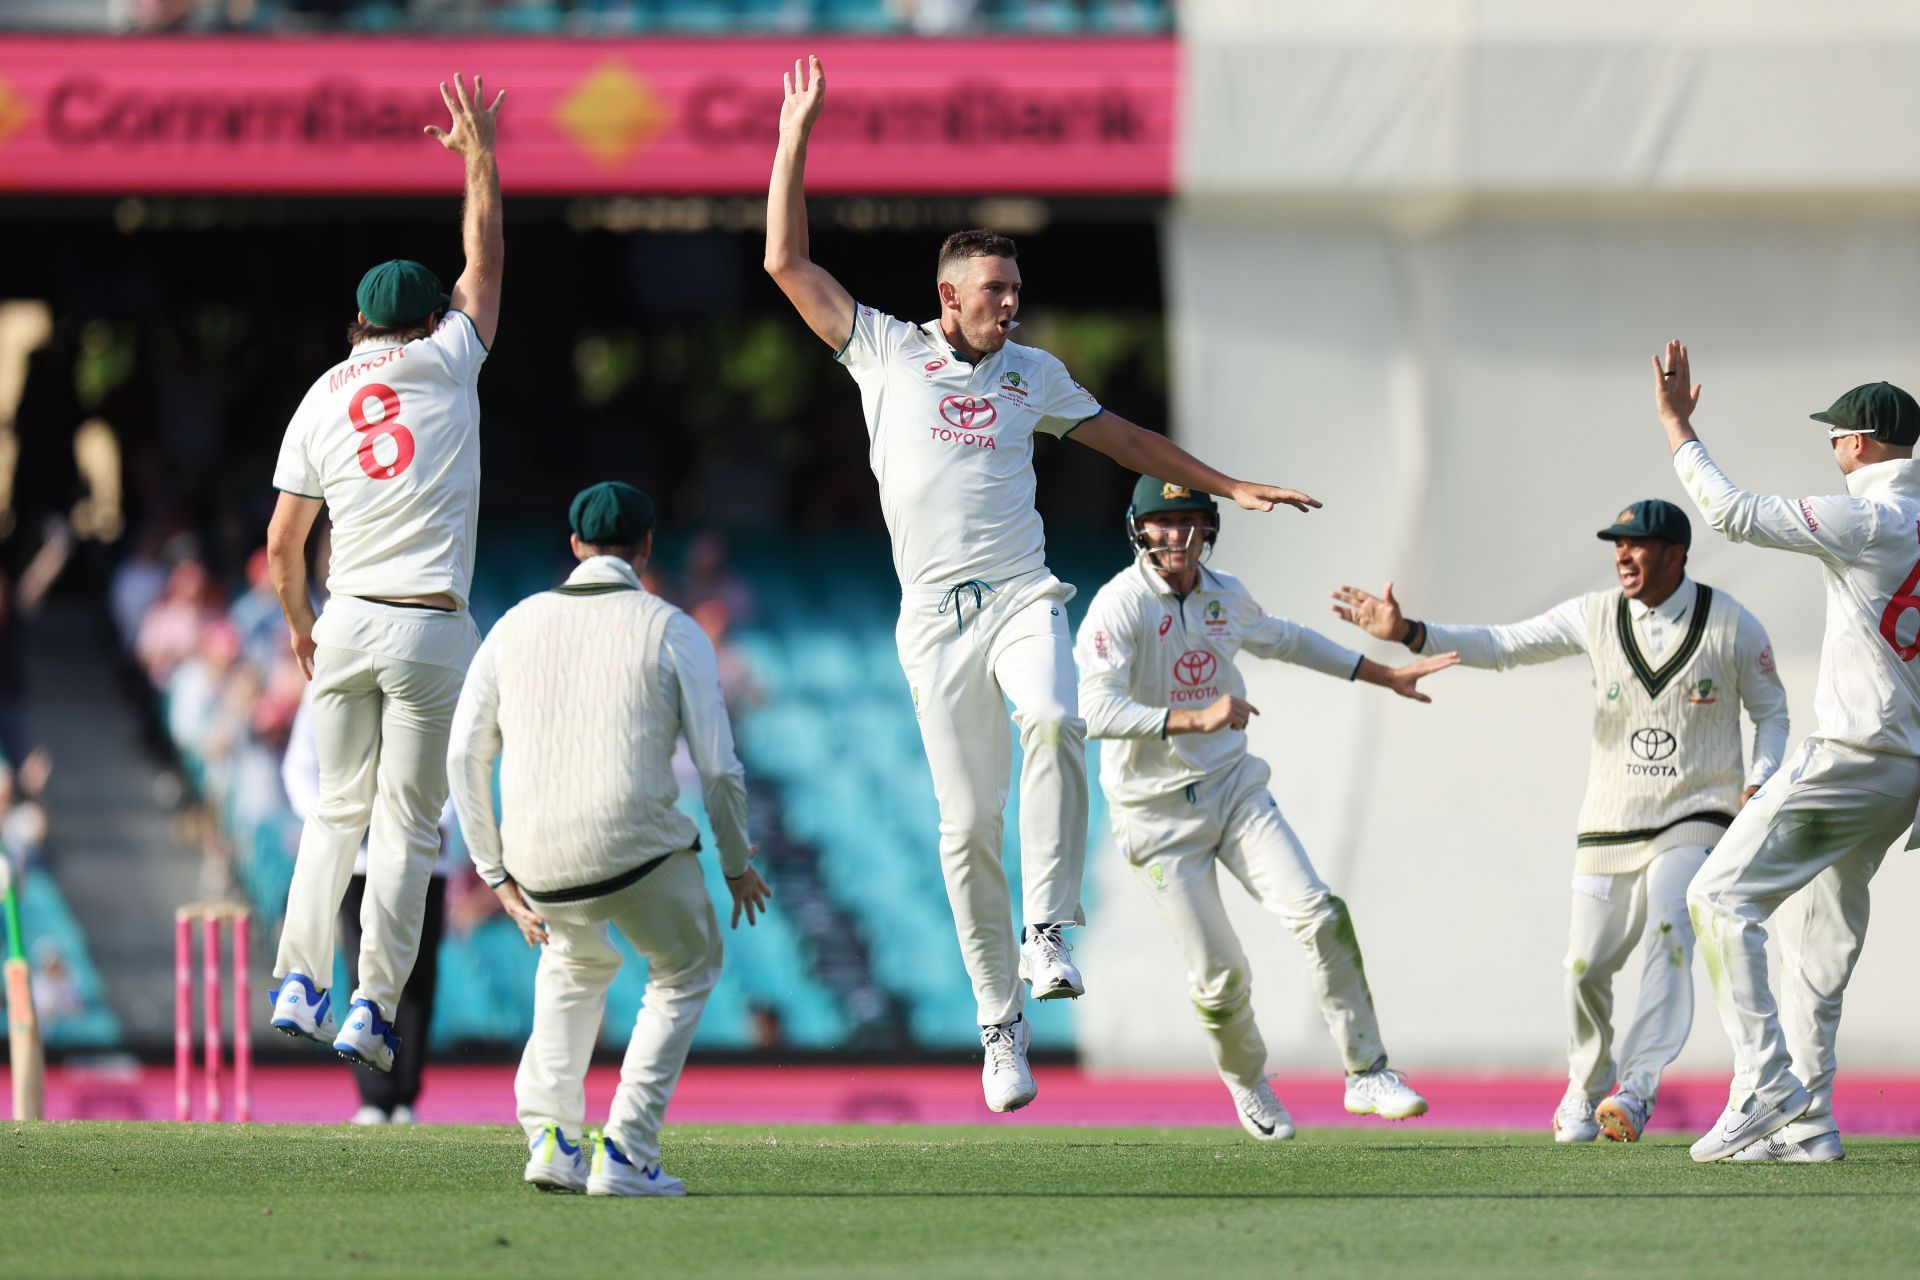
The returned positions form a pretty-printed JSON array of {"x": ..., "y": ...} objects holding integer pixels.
[
  {"x": 969, "y": 827},
  {"x": 1221, "y": 994},
  {"x": 344, "y": 812},
  {"x": 1051, "y": 726}
]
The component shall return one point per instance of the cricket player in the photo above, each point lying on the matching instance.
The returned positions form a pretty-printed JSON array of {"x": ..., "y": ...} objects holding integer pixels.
[
  {"x": 952, "y": 408},
  {"x": 1157, "y": 677},
  {"x": 1673, "y": 663},
  {"x": 580, "y": 693},
  {"x": 1816, "y": 832},
  {"x": 389, "y": 441}
]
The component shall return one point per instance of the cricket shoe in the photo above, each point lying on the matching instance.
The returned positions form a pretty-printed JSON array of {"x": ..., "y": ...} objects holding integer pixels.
[
  {"x": 553, "y": 1163},
  {"x": 615, "y": 1175},
  {"x": 1623, "y": 1117},
  {"x": 1574, "y": 1121},
  {"x": 1006, "y": 1079},
  {"x": 402, "y": 1114},
  {"x": 368, "y": 1115},
  {"x": 1742, "y": 1126},
  {"x": 302, "y": 1010},
  {"x": 1044, "y": 963},
  {"x": 1798, "y": 1143},
  {"x": 367, "y": 1038},
  {"x": 1378, "y": 1091},
  {"x": 1261, "y": 1113}
]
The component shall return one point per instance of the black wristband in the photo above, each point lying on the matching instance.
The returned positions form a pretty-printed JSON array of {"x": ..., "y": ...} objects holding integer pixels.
[{"x": 1416, "y": 637}]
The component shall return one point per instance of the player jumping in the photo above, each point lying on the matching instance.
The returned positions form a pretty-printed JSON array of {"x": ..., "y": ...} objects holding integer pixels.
[
  {"x": 1156, "y": 655},
  {"x": 389, "y": 440},
  {"x": 952, "y": 408},
  {"x": 1817, "y": 831},
  {"x": 1673, "y": 664}
]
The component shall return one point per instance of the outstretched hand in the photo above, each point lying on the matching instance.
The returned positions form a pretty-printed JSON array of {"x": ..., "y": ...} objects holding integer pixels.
[
  {"x": 1405, "y": 680},
  {"x": 1379, "y": 616},
  {"x": 1265, "y": 497},
  {"x": 806, "y": 93},
  {"x": 1674, "y": 393},
  {"x": 474, "y": 127}
]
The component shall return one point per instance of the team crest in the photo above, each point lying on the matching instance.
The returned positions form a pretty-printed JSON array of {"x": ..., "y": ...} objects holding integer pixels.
[
  {"x": 1215, "y": 618},
  {"x": 1701, "y": 694},
  {"x": 1625, "y": 517},
  {"x": 1170, "y": 491}
]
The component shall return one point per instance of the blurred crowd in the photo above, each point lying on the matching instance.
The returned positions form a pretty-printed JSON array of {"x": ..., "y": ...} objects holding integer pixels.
[{"x": 923, "y": 17}]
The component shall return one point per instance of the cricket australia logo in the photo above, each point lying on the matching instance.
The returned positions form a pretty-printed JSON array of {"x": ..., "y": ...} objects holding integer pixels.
[
  {"x": 969, "y": 421},
  {"x": 1701, "y": 694},
  {"x": 1214, "y": 618},
  {"x": 1012, "y": 384}
]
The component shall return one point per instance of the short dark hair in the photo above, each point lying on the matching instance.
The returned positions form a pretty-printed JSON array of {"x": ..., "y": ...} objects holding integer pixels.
[
  {"x": 398, "y": 334},
  {"x": 978, "y": 243}
]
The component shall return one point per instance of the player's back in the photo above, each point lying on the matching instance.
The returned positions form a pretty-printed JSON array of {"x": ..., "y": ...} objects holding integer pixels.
[
  {"x": 390, "y": 438},
  {"x": 1869, "y": 687}
]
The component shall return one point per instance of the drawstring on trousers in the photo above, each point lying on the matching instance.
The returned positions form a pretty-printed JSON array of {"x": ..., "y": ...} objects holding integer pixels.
[{"x": 956, "y": 601}]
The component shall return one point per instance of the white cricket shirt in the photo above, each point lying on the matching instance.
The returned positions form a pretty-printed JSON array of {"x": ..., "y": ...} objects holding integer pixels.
[
  {"x": 951, "y": 444},
  {"x": 1868, "y": 544},
  {"x": 390, "y": 438},
  {"x": 1145, "y": 652}
]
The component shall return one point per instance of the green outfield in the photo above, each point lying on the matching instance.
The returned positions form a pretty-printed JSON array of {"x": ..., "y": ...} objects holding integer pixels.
[{"x": 201, "y": 1201}]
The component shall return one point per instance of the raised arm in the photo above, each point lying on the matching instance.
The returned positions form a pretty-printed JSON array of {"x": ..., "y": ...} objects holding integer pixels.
[
  {"x": 1152, "y": 454},
  {"x": 476, "y": 294},
  {"x": 293, "y": 517},
  {"x": 817, "y": 296},
  {"x": 1560, "y": 632}
]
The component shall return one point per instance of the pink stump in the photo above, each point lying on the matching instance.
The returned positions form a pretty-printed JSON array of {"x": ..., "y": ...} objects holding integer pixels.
[
  {"x": 242, "y": 1026},
  {"x": 182, "y": 1018},
  {"x": 210, "y": 971}
]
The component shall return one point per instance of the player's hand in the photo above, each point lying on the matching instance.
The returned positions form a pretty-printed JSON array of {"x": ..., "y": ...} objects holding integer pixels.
[
  {"x": 1265, "y": 497},
  {"x": 1226, "y": 713},
  {"x": 303, "y": 647},
  {"x": 474, "y": 127},
  {"x": 1379, "y": 616},
  {"x": 750, "y": 894},
  {"x": 1674, "y": 394},
  {"x": 533, "y": 927},
  {"x": 806, "y": 93},
  {"x": 1405, "y": 680}
]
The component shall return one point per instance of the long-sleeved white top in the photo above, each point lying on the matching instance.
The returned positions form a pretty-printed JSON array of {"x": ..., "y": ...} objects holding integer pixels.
[
  {"x": 1145, "y": 652},
  {"x": 1562, "y": 632},
  {"x": 1868, "y": 543},
  {"x": 583, "y": 712}
]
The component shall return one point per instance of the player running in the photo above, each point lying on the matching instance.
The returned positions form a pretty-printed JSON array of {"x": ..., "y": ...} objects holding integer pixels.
[
  {"x": 580, "y": 694},
  {"x": 952, "y": 408},
  {"x": 389, "y": 440},
  {"x": 1673, "y": 663},
  {"x": 1817, "y": 830},
  {"x": 1157, "y": 675}
]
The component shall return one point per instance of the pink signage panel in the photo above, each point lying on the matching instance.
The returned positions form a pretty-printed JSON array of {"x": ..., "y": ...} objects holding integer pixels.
[{"x": 342, "y": 116}]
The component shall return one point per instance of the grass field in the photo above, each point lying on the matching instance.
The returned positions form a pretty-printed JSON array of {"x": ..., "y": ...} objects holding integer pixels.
[{"x": 99, "y": 1199}]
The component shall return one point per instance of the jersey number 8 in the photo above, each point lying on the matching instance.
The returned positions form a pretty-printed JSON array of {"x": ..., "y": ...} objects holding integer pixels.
[{"x": 388, "y": 426}]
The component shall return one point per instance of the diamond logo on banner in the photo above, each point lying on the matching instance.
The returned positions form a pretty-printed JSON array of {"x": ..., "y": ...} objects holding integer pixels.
[{"x": 612, "y": 114}]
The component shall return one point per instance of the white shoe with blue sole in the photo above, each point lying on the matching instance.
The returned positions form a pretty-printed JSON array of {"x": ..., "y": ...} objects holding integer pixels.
[
  {"x": 615, "y": 1175},
  {"x": 553, "y": 1163},
  {"x": 367, "y": 1038},
  {"x": 302, "y": 1010}
]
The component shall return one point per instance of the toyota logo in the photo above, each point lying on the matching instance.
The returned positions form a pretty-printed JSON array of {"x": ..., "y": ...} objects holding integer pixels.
[
  {"x": 1652, "y": 744},
  {"x": 968, "y": 413},
  {"x": 1195, "y": 666}
]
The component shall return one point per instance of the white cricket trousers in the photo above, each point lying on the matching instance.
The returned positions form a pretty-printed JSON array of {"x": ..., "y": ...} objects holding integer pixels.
[
  {"x": 385, "y": 681},
  {"x": 1230, "y": 820},
  {"x": 669, "y": 919},
  {"x": 1814, "y": 835},
  {"x": 965, "y": 653},
  {"x": 1612, "y": 915}
]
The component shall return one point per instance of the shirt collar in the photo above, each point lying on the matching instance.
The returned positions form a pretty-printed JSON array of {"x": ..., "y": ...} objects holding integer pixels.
[
  {"x": 1882, "y": 475},
  {"x": 370, "y": 346},
  {"x": 599, "y": 569},
  {"x": 1670, "y": 610}
]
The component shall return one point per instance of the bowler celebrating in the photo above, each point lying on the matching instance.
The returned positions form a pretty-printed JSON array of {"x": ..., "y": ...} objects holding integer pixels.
[
  {"x": 1158, "y": 679},
  {"x": 952, "y": 408},
  {"x": 1673, "y": 663},
  {"x": 389, "y": 441},
  {"x": 1819, "y": 828}
]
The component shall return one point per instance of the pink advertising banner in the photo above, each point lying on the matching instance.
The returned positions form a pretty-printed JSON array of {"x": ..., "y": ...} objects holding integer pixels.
[{"x": 342, "y": 116}]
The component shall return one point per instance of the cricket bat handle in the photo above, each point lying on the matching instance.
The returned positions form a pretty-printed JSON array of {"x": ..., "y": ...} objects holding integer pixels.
[{"x": 23, "y": 1045}]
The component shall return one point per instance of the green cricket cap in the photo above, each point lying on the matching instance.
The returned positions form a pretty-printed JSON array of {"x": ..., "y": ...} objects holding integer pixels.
[
  {"x": 1880, "y": 409},
  {"x": 1151, "y": 497},
  {"x": 611, "y": 514},
  {"x": 1651, "y": 518},
  {"x": 399, "y": 292}
]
